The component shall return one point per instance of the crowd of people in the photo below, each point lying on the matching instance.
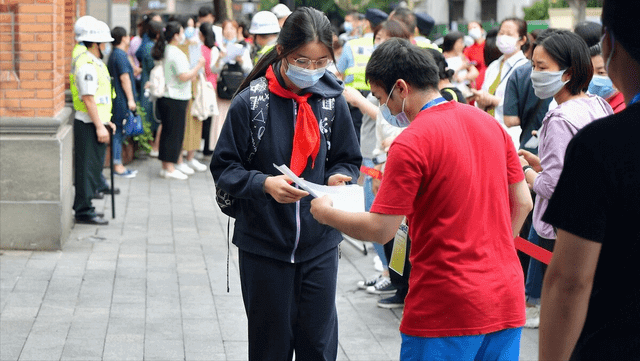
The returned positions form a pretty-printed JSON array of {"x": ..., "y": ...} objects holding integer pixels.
[{"x": 460, "y": 147}]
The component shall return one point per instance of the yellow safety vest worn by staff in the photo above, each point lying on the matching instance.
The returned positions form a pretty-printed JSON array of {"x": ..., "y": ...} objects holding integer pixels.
[
  {"x": 361, "y": 48},
  {"x": 78, "y": 50},
  {"x": 263, "y": 51},
  {"x": 103, "y": 95}
]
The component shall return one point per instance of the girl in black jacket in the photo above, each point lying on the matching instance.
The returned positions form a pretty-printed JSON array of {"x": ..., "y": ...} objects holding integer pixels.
[{"x": 288, "y": 261}]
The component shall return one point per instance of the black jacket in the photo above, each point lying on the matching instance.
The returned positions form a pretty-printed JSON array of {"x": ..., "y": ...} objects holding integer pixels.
[{"x": 285, "y": 232}]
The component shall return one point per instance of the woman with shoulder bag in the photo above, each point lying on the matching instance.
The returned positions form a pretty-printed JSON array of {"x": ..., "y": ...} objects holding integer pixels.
[{"x": 173, "y": 106}]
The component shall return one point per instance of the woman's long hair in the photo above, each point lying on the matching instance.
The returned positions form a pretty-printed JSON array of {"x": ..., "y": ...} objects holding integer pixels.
[
  {"x": 172, "y": 28},
  {"x": 303, "y": 26},
  {"x": 209, "y": 36}
]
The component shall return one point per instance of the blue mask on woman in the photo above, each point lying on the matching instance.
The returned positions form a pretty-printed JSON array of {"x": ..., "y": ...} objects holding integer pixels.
[
  {"x": 304, "y": 78},
  {"x": 601, "y": 85},
  {"x": 189, "y": 32}
]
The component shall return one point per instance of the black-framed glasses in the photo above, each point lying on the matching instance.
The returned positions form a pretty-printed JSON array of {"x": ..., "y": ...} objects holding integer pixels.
[{"x": 305, "y": 63}]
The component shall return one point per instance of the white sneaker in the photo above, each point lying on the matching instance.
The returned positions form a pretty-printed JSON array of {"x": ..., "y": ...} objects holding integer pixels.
[
  {"x": 184, "y": 168},
  {"x": 377, "y": 264},
  {"x": 163, "y": 173},
  {"x": 154, "y": 154},
  {"x": 533, "y": 317},
  {"x": 176, "y": 174},
  {"x": 197, "y": 166}
]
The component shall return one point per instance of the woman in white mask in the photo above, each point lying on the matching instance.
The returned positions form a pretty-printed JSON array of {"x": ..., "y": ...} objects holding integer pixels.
[
  {"x": 561, "y": 69},
  {"x": 512, "y": 37}
]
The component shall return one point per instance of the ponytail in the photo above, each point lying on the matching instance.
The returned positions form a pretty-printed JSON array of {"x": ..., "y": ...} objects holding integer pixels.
[{"x": 172, "y": 28}]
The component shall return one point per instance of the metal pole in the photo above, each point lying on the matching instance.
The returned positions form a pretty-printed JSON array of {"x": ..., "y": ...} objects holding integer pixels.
[{"x": 113, "y": 186}]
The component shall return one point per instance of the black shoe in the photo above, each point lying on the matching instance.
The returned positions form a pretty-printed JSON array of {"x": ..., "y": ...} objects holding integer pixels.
[
  {"x": 100, "y": 214},
  {"x": 207, "y": 153},
  {"x": 92, "y": 220},
  {"x": 108, "y": 191},
  {"x": 97, "y": 195},
  {"x": 394, "y": 301}
]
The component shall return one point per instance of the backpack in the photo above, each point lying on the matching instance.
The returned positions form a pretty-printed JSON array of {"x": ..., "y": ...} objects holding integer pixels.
[
  {"x": 259, "y": 95},
  {"x": 204, "y": 104},
  {"x": 157, "y": 85},
  {"x": 230, "y": 79}
]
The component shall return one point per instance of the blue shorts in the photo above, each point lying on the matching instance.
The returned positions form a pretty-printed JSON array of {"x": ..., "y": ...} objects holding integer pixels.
[{"x": 501, "y": 345}]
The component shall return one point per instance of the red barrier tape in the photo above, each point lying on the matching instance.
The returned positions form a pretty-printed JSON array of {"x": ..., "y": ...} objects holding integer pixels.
[
  {"x": 532, "y": 250},
  {"x": 371, "y": 172}
]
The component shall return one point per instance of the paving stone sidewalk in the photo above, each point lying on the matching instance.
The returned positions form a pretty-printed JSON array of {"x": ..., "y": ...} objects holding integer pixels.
[{"x": 152, "y": 285}]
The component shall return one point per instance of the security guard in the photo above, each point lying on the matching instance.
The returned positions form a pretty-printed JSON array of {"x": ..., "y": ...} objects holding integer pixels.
[
  {"x": 265, "y": 29},
  {"x": 92, "y": 100}
]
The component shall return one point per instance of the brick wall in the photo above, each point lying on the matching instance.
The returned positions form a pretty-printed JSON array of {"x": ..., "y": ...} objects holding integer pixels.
[{"x": 34, "y": 68}]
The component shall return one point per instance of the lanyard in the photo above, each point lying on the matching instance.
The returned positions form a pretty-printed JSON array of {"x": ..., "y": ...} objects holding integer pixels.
[
  {"x": 635, "y": 99},
  {"x": 436, "y": 101}
]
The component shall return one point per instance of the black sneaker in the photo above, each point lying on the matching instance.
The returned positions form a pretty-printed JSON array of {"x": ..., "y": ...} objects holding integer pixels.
[
  {"x": 394, "y": 301},
  {"x": 384, "y": 286},
  {"x": 363, "y": 285}
]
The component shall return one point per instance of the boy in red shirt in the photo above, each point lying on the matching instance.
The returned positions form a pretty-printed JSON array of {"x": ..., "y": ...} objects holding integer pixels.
[{"x": 454, "y": 173}]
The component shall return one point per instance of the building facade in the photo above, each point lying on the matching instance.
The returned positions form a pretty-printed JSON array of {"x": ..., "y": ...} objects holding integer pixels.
[{"x": 462, "y": 11}]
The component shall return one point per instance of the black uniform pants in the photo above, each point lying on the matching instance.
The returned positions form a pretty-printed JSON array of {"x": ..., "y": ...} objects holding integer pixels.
[
  {"x": 89, "y": 157},
  {"x": 290, "y": 306}
]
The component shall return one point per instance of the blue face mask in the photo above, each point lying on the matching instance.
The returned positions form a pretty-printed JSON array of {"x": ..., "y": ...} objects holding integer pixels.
[
  {"x": 303, "y": 78},
  {"x": 189, "y": 32},
  {"x": 348, "y": 27},
  {"x": 400, "y": 120},
  {"x": 602, "y": 86}
]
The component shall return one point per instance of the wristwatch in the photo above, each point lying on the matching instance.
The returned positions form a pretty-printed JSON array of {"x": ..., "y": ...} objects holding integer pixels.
[
  {"x": 380, "y": 158},
  {"x": 525, "y": 168}
]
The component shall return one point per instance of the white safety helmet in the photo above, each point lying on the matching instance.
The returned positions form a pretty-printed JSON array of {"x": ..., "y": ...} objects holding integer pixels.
[
  {"x": 264, "y": 22},
  {"x": 281, "y": 11},
  {"x": 99, "y": 33},
  {"x": 83, "y": 25}
]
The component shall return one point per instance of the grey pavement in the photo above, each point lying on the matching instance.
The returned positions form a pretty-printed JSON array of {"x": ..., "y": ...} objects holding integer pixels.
[{"x": 152, "y": 285}]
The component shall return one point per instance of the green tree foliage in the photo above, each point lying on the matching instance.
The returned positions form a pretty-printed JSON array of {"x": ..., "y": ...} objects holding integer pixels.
[{"x": 537, "y": 11}]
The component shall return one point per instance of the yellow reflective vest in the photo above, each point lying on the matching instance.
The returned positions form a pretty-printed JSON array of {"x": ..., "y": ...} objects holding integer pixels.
[
  {"x": 78, "y": 50},
  {"x": 361, "y": 48},
  {"x": 103, "y": 95}
]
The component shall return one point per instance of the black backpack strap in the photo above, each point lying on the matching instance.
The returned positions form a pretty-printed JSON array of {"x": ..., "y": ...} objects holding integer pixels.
[
  {"x": 259, "y": 103},
  {"x": 327, "y": 114}
]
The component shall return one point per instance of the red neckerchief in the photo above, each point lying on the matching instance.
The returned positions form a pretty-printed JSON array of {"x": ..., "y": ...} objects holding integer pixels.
[{"x": 306, "y": 137}]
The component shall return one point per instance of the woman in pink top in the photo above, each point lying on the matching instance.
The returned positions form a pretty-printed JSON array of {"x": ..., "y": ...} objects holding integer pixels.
[
  {"x": 561, "y": 69},
  {"x": 212, "y": 125}
]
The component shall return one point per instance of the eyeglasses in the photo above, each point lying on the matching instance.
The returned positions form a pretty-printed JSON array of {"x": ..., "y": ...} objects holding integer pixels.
[{"x": 306, "y": 63}]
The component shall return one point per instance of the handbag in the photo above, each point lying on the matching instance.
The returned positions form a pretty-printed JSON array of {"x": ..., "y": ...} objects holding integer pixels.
[{"x": 133, "y": 125}]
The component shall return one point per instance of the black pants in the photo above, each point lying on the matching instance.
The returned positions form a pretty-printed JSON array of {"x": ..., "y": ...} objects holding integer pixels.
[
  {"x": 173, "y": 113},
  {"x": 206, "y": 135},
  {"x": 290, "y": 306},
  {"x": 401, "y": 282},
  {"x": 547, "y": 244},
  {"x": 89, "y": 157}
]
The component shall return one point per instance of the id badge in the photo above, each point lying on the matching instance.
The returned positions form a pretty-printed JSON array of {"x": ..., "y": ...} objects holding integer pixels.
[{"x": 399, "y": 253}]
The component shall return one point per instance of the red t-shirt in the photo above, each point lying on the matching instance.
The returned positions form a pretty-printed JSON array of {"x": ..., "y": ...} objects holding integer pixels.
[
  {"x": 617, "y": 102},
  {"x": 475, "y": 54},
  {"x": 449, "y": 173}
]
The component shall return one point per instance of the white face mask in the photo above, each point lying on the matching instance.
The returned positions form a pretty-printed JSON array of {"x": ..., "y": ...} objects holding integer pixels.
[
  {"x": 475, "y": 33},
  {"x": 547, "y": 83},
  {"x": 507, "y": 44}
]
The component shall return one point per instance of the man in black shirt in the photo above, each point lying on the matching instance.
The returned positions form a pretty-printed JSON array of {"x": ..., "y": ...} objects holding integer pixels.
[{"x": 588, "y": 312}]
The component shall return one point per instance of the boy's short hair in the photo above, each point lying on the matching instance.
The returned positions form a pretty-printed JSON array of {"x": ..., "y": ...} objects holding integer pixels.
[{"x": 411, "y": 63}]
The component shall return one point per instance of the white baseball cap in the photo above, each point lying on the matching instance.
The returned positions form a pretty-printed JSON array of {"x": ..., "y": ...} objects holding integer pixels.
[
  {"x": 281, "y": 11},
  {"x": 264, "y": 22},
  {"x": 83, "y": 24},
  {"x": 99, "y": 33}
]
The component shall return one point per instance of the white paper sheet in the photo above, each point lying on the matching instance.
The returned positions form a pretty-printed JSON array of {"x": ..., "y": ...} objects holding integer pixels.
[
  {"x": 347, "y": 198},
  {"x": 233, "y": 51}
]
